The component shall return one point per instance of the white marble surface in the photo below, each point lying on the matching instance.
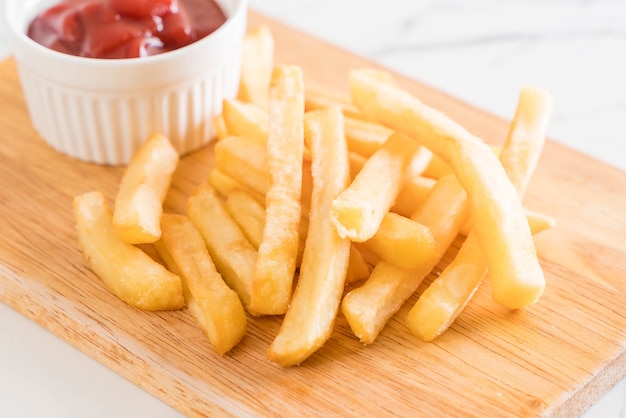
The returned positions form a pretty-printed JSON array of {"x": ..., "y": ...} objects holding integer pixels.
[{"x": 481, "y": 51}]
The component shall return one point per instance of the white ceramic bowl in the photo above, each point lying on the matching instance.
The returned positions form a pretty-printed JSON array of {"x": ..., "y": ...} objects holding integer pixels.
[{"x": 101, "y": 110}]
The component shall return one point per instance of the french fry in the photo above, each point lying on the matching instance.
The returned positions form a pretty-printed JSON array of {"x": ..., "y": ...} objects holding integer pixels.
[
  {"x": 223, "y": 183},
  {"x": 241, "y": 163},
  {"x": 317, "y": 98},
  {"x": 231, "y": 252},
  {"x": 413, "y": 193},
  {"x": 250, "y": 216},
  {"x": 226, "y": 185},
  {"x": 144, "y": 185},
  {"x": 526, "y": 137},
  {"x": 468, "y": 225},
  {"x": 357, "y": 162},
  {"x": 309, "y": 321},
  {"x": 369, "y": 257},
  {"x": 248, "y": 213},
  {"x": 368, "y": 308},
  {"x": 256, "y": 66},
  {"x": 399, "y": 240},
  {"x": 445, "y": 298},
  {"x": 539, "y": 222},
  {"x": 219, "y": 126},
  {"x": 214, "y": 305},
  {"x": 436, "y": 168},
  {"x": 441, "y": 303},
  {"x": 307, "y": 188},
  {"x": 244, "y": 160},
  {"x": 245, "y": 120},
  {"x": 358, "y": 268},
  {"x": 389, "y": 287},
  {"x": 519, "y": 158},
  {"x": 364, "y": 137},
  {"x": 125, "y": 270},
  {"x": 276, "y": 262},
  {"x": 499, "y": 221},
  {"x": 359, "y": 210}
]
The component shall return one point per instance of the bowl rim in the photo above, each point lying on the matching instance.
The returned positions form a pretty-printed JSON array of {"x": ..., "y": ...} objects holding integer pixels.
[{"x": 17, "y": 26}]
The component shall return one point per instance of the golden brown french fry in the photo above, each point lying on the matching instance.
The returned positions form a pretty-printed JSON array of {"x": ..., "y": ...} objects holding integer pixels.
[
  {"x": 445, "y": 298},
  {"x": 244, "y": 160},
  {"x": 231, "y": 252},
  {"x": 142, "y": 190},
  {"x": 519, "y": 157},
  {"x": 246, "y": 164},
  {"x": 468, "y": 225},
  {"x": 441, "y": 303},
  {"x": 276, "y": 262},
  {"x": 307, "y": 188},
  {"x": 358, "y": 267},
  {"x": 256, "y": 66},
  {"x": 526, "y": 137},
  {"x": 436, "y": 168},
  {"x": 539, "y": 222},
  {"x": 245, "y": 120},
  {"x": 400, "y": 240},
  {"x": 369, "y": 307},
  {"x": 309, "y": 320},
  {"x": 214, "y": 305},
  {"x": 365, "y": 137},
  {"x": 317, "y": 98},
  {"x": 126, "y": 271},
  {"x": 388, "y": 286},
  {"x": 253, "y": 180},
  {"x": 413, "y": 193},
  {"x": 499, "y": 223},
  {"x": 369, "y": 257},
  {"x": 223, "y": 183},
  {"x": 356, "y": 163},
  {"x": 359, "y": 210},
  {"x": 249, "y": 214},
  {"x": 219, "y": 126}
]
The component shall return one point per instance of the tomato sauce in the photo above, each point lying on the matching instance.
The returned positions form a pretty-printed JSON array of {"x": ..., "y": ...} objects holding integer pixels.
[{"x": 124, "y": 28}]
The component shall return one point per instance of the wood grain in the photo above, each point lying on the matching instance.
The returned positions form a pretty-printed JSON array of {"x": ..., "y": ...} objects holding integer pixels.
[{"x": 553, "y": 359}]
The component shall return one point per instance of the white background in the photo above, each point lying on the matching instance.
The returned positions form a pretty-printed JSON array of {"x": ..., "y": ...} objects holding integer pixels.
[{"x": 481, "y": 51}]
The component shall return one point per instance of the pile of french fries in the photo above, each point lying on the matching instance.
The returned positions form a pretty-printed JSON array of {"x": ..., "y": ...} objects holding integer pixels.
[{"x": 319, "y": 205}]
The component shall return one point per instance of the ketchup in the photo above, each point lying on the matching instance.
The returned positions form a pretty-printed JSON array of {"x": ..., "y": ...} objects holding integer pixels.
[{"x": 124, "y": 28}]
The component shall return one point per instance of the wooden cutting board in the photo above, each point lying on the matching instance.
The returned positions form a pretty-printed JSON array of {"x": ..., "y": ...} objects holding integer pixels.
[{"x": 553, "y": 359}]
